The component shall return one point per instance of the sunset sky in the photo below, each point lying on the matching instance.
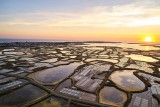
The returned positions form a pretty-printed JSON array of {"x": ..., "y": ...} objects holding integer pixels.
[{"x": 107, "y": 20}]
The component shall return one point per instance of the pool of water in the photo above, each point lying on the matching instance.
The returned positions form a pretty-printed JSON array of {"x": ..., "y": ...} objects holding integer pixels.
[
  {"x": 126, "y": 80},
  {"x": 50, "y": 60},
  {"x": 94, "y": 48},
  {"x": 124, "y": 45},
  {"x": 107, "y": 60},
  {"x": 22, "y": 96},
  {"x": 13, "y": 53},
  {"x": 27, "y": 59},
  {"x": 67, "y": 83},
  {"x": 54, "y": 75},
  {"x": 8, "y": 50},
  {"x": 141, "y": 58},
  {"x": 112, "y": 96}
]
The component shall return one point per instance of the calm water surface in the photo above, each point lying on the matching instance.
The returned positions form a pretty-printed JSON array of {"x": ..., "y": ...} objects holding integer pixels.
[
  {"x": 54, "y": 75},
  {"x": 126, "y": 80},
  {"x": 112, "y": 96}
]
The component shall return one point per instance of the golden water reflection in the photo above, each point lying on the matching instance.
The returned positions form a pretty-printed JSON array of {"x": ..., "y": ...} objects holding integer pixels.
[
  {"x": 112, "y": 96},
  {"x": 127, "y": 81}
]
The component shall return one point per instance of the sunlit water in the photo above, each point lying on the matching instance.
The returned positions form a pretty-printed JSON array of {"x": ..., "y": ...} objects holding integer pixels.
[
  {"x": 56, "y": 74},
  {"x": 107, "y": 60},
  {"x": 126, "y": 80},
  {"x": 141, "y": 58},
  {"x": 112, "y": 96},
  {"x": 50, "y": 60},
  {"x": 124, "y": 45}
]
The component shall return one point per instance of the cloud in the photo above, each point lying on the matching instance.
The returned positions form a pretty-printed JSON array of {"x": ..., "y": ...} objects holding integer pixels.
[{"x": 141, "y": 13}]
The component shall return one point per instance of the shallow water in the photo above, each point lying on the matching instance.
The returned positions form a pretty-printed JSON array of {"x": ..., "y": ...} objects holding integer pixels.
[
  {"x": 94, "y": 48},
  {"x": 27, "y": 59},
  {"x": 107, "y": 60},
  {"x": 124, "y": 45},
  {"x": 112, "y": 96},
  {"x": 126, "y": 80},
  {"x": 21, "y": 96},
  {"x": 141, "y": 58},
  {"x": 13, "y": 53},
  {"x": 52, "y": 68},
  {"x": 67, "y": 83},
  {"x": 54, "y": 75},
  {"x": 8, "y": 50},
  {"x": 50, "y": 60},
  {"x": 2, "y": 57}
]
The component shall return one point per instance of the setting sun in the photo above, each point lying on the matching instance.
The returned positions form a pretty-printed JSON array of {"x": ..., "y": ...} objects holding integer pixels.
[{"x": 148, "y": 39}]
